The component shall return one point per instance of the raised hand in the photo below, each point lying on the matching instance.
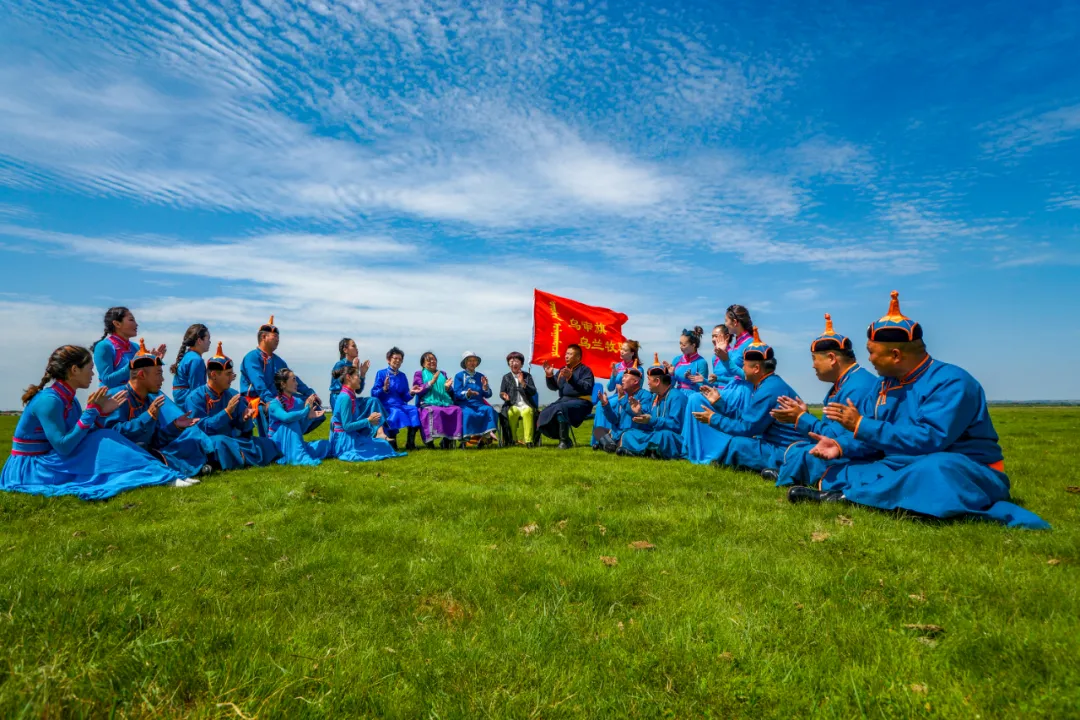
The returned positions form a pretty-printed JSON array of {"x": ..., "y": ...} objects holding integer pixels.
[
  {"x": 109, "y": 403},
  {"x": 619, "y": 390},
  {"x": 386, "y": 383},
  {"x": 364, "y": 367},
  {"x": 826, "y": 448},
  {"x": 565, "y": 373},
  {"x": 96, "y": 397},
  {"x": 635, "y": 406},
  {"x": 484, "y": 383},
  {"x": 374, "y": 418},
  {"x": 847, "y": 415},
  {"x": 356, "y": 362},
  {"x": 713, "y": 378},
  {"x": 711, "y": 394},
  {"x": 449, "y": 385},
  {"x": 159, "y": 351},
  {"x": 155, "y": 407},
  {"x": 505, "y": 396},
  {"x": 642, "y": 419},
  {"x": 695, "y": 378},
  {"x": 232, "y": 404},
  {"x": 185, "y": 421},
  {"x": 704, "y": 415},
  {"x": 416, "y": 389},
  {"x": 310, "y": 400},
  {"x": 316, "y": 412},
  {"x": 788, "y": 410},
  {"x": 549, "y": 370},
  {"x": 667, "y": 366},
  {"x": 250, "y": 412},
  {"x": 603, "y": 399}
]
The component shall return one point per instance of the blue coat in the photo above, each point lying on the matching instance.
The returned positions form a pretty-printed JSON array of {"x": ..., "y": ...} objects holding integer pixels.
[
  {"x": 682, "y": 368},
  {"x": 190, "y": 374},
  {"x": 234, "y": 444},
  {"x": 352, "y": 437},
  {"x": 750, "y": 438},
  {"x": 112, "y": 357},
  {"x": 257, "y": 373},
  {"x": 395, "y": 401},
  {"x": 182, "y": 450},
  {"x": 662, "y": 434},
  {"x": 926, "y": 444},
  {"x": 289, "y": 422},
  {"x": 618, "y": 414},
  {"x": 335, "y": 384}
]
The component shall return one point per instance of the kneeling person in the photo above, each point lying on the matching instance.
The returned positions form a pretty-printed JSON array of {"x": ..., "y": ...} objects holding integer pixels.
[{"x": 657, "y": 424}]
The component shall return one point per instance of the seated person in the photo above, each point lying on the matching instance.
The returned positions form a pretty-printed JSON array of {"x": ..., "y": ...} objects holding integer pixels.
[
  {"x": 656, "y": 425},
  {"x": 257, "y": 372},
  {"x": 471, "y": 391},
  {"x": 154, "y": 422},
  {"x": 392, "y": 389},
  {"x": 440, "y": 418},
  {"x": 688, "y": 369},
  {"x": 356, "y": 428},
  {"x": 574, "y": 383},
  {"x": 350, "y": 355},
  {"x": 61, "y": 449},
  {"x": 228, "y": 419},
  {"x": 519, "y": 410},
  {"x": 923, "y": 443},
  {"x": 834, "y": 362},
  {"x": 628, "y": 358},
  {"x": 291, "y": 419},
  {"x": 189, "y": 370},
  {"x": 113, "y": 352},
  {"x": 616, "y": 410},
  {"x": 750, "y": 438}
]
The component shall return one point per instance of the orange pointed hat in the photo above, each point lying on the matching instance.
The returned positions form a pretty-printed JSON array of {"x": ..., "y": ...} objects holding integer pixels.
[
  {"x": 269, "y": 327},
  {"x": 894, "y": 326},
  {"x": 830, "y": 339},
  {"x": 144, "y": 358},
  {"x": 758, "y": 350},
  {"x": 219, "y": 361}
]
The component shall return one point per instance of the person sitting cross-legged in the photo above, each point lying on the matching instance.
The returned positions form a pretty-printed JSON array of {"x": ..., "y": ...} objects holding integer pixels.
[
  {"x": 291, "y": 419},
  {"x": 228, "y": 419},
  {"x": 750, "y": 438},
  {"x": 923, "y": 443},
  {"x": 356, "y": 428},
  {"x": 656, "y": 425},
  {"x": 834, "y": 362},
  {"x": 617, "y": 411}
]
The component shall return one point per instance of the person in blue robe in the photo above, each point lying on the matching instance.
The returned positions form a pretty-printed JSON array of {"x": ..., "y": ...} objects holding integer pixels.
[
  {"x": 189, "y": 370},
  {"x": 349, "y": 355},
  {"x": 392, "y": 389},
  {"x": 616, "y": 409},
  {"x": 113, "y": 352},
  {"x": 923, "y": 443},
  {"x": 291, "y": 419},
  {"x": 154, "y": 422},
  {"x": 656, "y": 427},
  {"x": 574, "y": 384},
  {"x": 833, "y": 357},
  {"x": 479, "y": 420},
  {"x": 689, "y": 371},
  {"x": 257, "y": 372},
  {"x": 229, "y": 419},
  {"x": 61, "y": 449},
  {"x": 628, "y": 358},
  {"x": 749, "y": 437},
  {"x": 354, "y": 429}
]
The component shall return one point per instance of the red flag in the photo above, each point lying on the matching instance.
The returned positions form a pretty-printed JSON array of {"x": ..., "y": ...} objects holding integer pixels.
[{"x": 559, "y": 321}]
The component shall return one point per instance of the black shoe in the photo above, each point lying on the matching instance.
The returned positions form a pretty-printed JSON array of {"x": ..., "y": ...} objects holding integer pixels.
[
  {"x": 770, "y": 475},
  {"x": 205, "y": 470},
  {"x": 622, "y": 452},
  {"x": 446, "y": 444},
  {"x": 565, "y": 441},
  {"x": 801, "y": 493},
  {"x": 410, "y": 441},
  {"x": 430, "y": 444},
  {"x": 611, "y": 448},
  {"x": 393, "y": 442}
]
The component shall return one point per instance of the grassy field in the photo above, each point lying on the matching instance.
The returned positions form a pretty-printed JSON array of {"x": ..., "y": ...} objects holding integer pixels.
[{"x": 473, "y": 584}]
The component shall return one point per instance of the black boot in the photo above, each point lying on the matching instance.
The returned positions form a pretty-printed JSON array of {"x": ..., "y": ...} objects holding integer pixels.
[
  {"x": 770, "y": 475},
  {"x": 410, "y": 439},
  {"x": 392, "y": 439},
  {"x": 801, "y": 493},
  {"x": 446, "y": 444},
  {"x": 565, "y": 443}
]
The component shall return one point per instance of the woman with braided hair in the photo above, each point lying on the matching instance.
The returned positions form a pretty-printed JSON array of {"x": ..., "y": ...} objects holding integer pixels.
[
  {"x": 61, "y": 449},
  {"x": 114, "y": 350},
  {"x": 189, "y": 370}
]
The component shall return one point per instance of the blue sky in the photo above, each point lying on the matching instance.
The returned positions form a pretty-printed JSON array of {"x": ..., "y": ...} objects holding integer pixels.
[{"x": 406, "y": 172}]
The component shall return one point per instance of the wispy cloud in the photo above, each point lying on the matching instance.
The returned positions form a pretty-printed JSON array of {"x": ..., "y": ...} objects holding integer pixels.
[{"x": 1020, "y": 134}]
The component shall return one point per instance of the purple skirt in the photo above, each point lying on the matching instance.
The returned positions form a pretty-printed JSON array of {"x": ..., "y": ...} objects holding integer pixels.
[{"x": 437, "y": 421}]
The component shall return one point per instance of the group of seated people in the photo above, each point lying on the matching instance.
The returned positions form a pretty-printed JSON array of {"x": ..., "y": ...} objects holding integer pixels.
[{"x": 916, "y": 437}]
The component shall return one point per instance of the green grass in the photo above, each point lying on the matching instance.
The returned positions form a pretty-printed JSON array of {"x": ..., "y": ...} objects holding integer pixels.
[{"x": 407, "y": 588}]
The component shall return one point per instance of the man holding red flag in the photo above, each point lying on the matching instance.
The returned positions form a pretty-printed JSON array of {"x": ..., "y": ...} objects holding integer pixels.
[{"x": 574, "y": 383}]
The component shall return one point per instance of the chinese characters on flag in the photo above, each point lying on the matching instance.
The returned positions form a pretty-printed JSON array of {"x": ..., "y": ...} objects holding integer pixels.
[{"x": 559, "y": 321}]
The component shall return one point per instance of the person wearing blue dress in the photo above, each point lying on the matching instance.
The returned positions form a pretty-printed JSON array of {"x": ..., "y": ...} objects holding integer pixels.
[
  {"x": 689, "y": 371},
  {"x": 833, "y": 356},
  {"x": 189, "y": 370},
  {"x": 923, "y": 443},
  {"x": 154, "y": 422},
  {"x": 349, "y": 355},
  {"x": 291, "y": 419},
  {"x": 657, "y": 425},
  {"x": 113, "y": 352},
  {"x": 479, "y": 420},
  {"x": 354, "y": 429},
  {"x": 61, "y": 449},
  {"x": 750, "y": 438},
  {"x": 616, "y": 409},
  {"x": 229, "y": 419},
  {"x": 392, "y": 389},
  {"x": 257, "y": 372},
  {"x": 628, "y": 358}
]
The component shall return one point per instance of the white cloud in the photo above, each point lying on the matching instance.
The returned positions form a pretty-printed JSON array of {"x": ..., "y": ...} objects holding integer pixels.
[{"x": 1022, "y": 133}]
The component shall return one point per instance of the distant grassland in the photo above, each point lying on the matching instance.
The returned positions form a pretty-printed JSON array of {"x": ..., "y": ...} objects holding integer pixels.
[{"x": 503, "y": 584}]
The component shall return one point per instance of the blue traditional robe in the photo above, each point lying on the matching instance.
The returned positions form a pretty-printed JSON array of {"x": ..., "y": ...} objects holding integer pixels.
[
  {"x": 335, "y": 383},
  {"x": 618, "y": 416},
  {"x": 600, "y": 419},
  {"x": 477, "y": 417},
  {"x": 352, "y": 437},
  {"x": 234, "y": 444},
  {"x": 257, "y": 373},
  {"x": 702, "y": 444},
  {"x": 750, "y": 438},
  {"x": 926, "y": 444},
  {"x": 731, "y": 369},
  {"x": 182, "y": 450},
  {"x": 663, "y": 433},
  {"x": 802, "y": 468},
  {"x": 683, "y": 366},
  {"x": 395, "y": 401},
  {"x": 112, "y": 358},
  {"x": 289, "y": 422},
  {"x": 190, "y": 374},
  {"x": 61, "y": 449}
]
